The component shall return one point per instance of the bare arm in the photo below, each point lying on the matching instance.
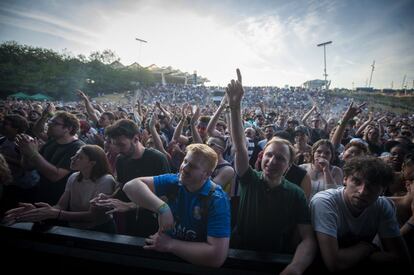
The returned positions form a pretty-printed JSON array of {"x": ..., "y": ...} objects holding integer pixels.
[
  {"x": 155, "y": 136},
  {"x": 234, "y": 93},
  {"x": 193, "y": 122},
  {"x": 226, "y": 174},
  {"x": 177, "y": 137},
  {"x": 39, "y": 126},
  {"x": 306, "y": 186},
  {"x": 141, "y": 192},
  {"x": 364, "y": 125},
  {"x": 305, "y": 251},
  {"x": 211, "y": 127},
  {"x": 88, "y": 105},
  {"x": 306, "y": 116},
  {"x": 211, "y": 253},
  {"x": 337, "y": 259},
  {"x": 29, "y": 150},
  {"x": 395, "y": 250},
  {"x": 351, "y": 112}
]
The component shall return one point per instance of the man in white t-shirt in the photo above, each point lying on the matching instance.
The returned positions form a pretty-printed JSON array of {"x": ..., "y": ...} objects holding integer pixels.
[{"x": 347, "y": 219}]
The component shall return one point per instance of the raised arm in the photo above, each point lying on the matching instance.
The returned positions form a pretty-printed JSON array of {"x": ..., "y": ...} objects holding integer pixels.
[
  {"x": 361, "y": 129},
  {"x": 193, "y": 122},
  {"x": 351, "y": 112},
  {"x": 234, "y": 93},
  {"x": 211, "y": 127},
  {"x": 39, "y": 126},
  {"x": 177, "y": 137},
  {"x": 88, "y": 105},
  {"x": 155, "y": 136},
  {"x": 306, "y": 116}
]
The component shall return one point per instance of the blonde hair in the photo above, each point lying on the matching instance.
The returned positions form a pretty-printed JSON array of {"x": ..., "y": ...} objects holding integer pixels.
[
  {"x": 204, "y": 151},
  {"x": 277, "y": 140}
]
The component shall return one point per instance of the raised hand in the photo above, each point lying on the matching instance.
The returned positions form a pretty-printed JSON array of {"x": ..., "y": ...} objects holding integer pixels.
[
  {"x": 153, "y": 121},
  {"x": 196, "y": 115},
  {"x": 27, "y": 145},
  {"x": 234, "y": 91},
  {"x": 352, "y": 111},
  {"x": 82, "y": 95}
]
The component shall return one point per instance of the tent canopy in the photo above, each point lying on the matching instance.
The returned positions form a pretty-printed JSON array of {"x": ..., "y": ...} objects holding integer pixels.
[
  {"x": 20, "y": 95},
  {"x": 40, "y": 96}
]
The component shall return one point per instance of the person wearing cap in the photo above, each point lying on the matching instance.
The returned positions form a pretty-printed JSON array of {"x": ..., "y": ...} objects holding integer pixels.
[{"x": 271, "y": 208}]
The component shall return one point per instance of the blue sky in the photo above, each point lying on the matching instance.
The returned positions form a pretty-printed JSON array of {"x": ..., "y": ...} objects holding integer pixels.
[{"x": 272, "y": 42}]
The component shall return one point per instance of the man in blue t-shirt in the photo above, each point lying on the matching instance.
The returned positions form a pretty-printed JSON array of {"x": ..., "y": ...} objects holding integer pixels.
[{"x": 195, "y": 224}]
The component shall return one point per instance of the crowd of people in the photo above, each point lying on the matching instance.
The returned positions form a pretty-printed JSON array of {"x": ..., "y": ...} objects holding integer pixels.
[{"x": 266, "y": 169}]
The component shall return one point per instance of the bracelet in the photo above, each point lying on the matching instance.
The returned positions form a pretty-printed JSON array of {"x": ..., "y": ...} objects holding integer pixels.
[
  {"x": 163, "y": 208},
  {"x": 58, "y": 216},
  {"x": 410, "y": 225}
]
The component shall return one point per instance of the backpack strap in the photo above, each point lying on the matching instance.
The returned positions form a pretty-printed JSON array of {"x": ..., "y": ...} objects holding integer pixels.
[{"x": 205, "y": 202}]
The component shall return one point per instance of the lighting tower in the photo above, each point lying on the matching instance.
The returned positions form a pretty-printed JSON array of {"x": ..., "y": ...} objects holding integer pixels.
[{"x": 324, "y": 59}]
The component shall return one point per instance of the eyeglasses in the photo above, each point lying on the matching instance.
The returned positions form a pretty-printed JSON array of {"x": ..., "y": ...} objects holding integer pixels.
[{"x": 54, "y": 122}]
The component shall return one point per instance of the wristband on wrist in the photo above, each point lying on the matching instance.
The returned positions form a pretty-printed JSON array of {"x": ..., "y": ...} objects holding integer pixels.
[{"x": 163, "y": 208}]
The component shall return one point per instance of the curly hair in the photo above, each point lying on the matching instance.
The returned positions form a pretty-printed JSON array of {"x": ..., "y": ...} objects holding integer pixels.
[
  {"x": 374, "y": 170},
  {"x": 69, "y": 121}
]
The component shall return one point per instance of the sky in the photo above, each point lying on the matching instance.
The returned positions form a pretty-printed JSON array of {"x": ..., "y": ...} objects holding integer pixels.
[{"x": 272, "y": 42}]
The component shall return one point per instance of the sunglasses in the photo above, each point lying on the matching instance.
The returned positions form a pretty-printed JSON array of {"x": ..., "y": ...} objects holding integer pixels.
[{"x": 211, "y": 144}]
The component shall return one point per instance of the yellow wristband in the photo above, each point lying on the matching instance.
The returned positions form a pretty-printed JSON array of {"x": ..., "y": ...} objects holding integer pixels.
[{"x": 163, "y": 208}]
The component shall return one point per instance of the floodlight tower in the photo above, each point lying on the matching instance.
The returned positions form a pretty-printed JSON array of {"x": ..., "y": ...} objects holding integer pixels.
[
  {"x": 324, "y": 59},
  {"x": 140, "y": 44},
  {"x": 372, "y": 71}
]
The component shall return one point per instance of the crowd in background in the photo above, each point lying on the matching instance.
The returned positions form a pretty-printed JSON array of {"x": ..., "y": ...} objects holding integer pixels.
[{"x": 72, "y": 163}]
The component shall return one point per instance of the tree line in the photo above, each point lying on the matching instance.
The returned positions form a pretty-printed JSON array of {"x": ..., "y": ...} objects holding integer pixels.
[{"x": 32, "y": 70}]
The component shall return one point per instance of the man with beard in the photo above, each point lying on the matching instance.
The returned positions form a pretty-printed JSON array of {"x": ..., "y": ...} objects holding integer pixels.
[
  {"x": 198, "y": 210},
  {"x": 347, "y": 219},
  {"x": 133, "y": 161},
  {"x": 52, "y": 161}
]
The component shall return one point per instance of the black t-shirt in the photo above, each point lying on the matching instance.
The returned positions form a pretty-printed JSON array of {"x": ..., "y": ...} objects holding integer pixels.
[
  {"x": 58, "y": 155},
  {"x": 152, "y": 163},
  {"x": 295, "y": 174}
]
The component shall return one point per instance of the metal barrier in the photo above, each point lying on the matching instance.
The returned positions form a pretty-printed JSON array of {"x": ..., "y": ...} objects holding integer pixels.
[{"x": 41, "y": 248}]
